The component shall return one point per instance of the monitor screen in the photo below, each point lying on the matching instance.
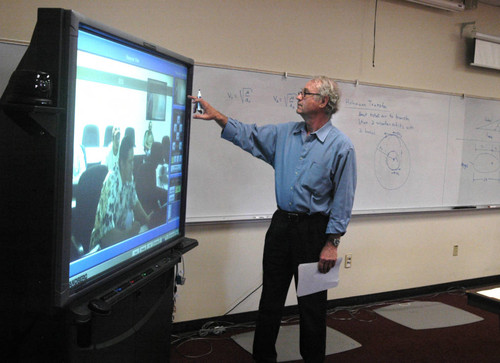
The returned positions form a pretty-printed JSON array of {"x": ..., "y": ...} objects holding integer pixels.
[
  {"x": 129, "y": 138},
  {"x": 100, "y": 120}
]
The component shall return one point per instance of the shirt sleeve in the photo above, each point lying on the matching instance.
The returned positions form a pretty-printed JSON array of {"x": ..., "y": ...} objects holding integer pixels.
[
  {"x": 258, "y": 141},
  {"x": 344, "y": 179}
]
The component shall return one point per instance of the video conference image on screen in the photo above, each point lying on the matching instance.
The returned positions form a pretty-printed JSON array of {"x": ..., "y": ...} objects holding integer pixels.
[{"x": 127, "y": 154}]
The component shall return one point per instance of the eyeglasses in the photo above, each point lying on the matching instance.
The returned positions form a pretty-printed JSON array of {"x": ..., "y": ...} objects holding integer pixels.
[{"x": 303, "y": 93}]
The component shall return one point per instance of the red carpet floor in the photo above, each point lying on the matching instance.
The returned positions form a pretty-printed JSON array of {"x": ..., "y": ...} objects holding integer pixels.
[{"x": 382, "y": 340}]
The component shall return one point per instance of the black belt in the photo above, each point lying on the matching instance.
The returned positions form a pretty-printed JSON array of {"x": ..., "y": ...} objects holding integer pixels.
[{"x": 297, "y": 217}]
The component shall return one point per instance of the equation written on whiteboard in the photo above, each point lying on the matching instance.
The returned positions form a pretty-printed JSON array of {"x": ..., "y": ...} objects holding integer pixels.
[
  {"x": 289, "y": 100},
  {"x": 372, "y": 115},
  {"x": 246, "y": 95}
]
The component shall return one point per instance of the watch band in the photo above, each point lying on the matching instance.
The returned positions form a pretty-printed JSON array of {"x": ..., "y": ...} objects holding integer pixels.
[{"x": 335, "y": 241}]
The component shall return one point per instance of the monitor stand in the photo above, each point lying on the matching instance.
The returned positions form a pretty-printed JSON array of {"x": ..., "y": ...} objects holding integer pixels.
[{"x": 136, "y": 328}]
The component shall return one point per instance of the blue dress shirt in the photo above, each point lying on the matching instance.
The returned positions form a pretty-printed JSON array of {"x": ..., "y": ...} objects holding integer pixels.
[{"x": 314, "y": 173}]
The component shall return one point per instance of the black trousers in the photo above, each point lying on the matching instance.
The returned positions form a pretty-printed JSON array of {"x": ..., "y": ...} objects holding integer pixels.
[{"x": 291, "y": 240}]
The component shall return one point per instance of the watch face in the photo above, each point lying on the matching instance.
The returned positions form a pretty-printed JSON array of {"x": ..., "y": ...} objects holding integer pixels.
[{"x": 336, "y": 242}]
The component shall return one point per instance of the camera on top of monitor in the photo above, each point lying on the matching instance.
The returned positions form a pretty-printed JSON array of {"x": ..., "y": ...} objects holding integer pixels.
[{"x": 30, "y": 87}]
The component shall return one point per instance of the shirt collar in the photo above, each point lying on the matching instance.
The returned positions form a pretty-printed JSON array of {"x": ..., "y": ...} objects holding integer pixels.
[{"x": 321, "y": 134}]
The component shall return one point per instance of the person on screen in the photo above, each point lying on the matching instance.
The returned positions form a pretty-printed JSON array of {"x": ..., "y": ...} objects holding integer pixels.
[
  {"x": 111, "y": 160},
  {"x": 148, "y": 140},
  {"x": 315, "y": 180},
  {"x": 150, "y": 195},
  {"x": 119, "y": 213},
  {"x": 162, "y": 169}
]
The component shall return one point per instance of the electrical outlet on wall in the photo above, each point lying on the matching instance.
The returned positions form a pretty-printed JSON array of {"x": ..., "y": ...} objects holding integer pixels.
[{"x": 348, "y": 261}]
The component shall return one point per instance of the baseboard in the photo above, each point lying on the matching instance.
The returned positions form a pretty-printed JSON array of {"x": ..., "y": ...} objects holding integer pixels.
[{"x": 193, "y": 325}]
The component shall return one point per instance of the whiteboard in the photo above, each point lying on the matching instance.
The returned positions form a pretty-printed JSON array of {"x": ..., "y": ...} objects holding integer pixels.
[
  {"x": 480, "y": 176},
  {"x": 416, "y": 150},
  {"x": 225, "y": 182}
]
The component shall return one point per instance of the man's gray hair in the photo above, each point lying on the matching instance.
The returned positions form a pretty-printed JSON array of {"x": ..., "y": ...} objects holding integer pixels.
[{"x": 327, "y": 87}]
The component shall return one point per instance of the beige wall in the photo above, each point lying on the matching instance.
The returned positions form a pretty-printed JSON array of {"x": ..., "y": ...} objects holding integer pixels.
[{"x": 416, "y": 47}]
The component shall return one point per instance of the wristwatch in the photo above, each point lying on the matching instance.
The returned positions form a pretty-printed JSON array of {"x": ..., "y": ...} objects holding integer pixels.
[{"x": 336, "y": 242}]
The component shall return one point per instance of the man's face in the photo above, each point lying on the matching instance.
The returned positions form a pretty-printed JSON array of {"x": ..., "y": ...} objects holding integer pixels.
[
  {"x": 127, "y": 167},
  {"x": 308, "y": 103}
]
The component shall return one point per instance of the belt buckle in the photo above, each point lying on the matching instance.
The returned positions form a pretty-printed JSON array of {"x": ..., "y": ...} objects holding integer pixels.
[{"x": 293, "y": 217}]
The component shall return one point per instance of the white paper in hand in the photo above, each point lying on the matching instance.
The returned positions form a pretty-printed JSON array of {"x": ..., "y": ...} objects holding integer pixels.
[{"x": 311, "y": 280}]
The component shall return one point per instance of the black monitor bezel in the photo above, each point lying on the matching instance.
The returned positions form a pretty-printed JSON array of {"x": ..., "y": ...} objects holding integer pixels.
[{"x": 63, "y": 295}]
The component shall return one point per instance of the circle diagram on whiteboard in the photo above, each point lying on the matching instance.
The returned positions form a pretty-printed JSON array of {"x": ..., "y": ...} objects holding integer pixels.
[
  {"x": 392, "y": 162},
  {"x": 486, "y": 163}
]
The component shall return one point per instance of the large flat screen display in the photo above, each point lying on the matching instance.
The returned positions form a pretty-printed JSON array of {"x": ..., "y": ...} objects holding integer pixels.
[
  {"x": 95, "y": 140},
  {"x": 128, "y": 147}
]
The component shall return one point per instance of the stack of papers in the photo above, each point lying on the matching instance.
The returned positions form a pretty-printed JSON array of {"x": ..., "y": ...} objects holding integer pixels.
[{"x": 311, "y": 280}]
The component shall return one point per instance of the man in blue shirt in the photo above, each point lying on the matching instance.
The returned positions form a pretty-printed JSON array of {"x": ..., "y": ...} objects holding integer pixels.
[{"x": 315, "y": 180}]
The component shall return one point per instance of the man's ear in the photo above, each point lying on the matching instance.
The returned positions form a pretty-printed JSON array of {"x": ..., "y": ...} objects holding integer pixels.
[{"x": 324, "y": 102}]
